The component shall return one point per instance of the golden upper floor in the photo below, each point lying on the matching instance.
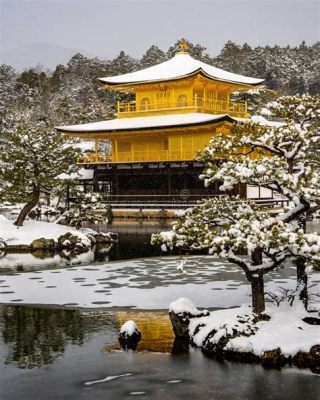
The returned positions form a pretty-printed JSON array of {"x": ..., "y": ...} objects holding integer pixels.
[
  {"x": 180, "y": 85},
  {"x": 178, "y": 106},
  {"x": 189, "y": 96}
]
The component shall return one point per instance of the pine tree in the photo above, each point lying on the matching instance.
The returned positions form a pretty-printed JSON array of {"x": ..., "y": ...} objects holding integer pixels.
[
  {"x": 31, "y": 159},
  {"x": 152, "y": 56},
  {"x": 123, "y": 64},
  {"x": 89, "y": 208},
  {"x": 277, "y": 156}
]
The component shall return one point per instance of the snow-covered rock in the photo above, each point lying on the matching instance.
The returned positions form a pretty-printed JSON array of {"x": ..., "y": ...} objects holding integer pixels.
[
  {"x": 181, "y": 312},
  {"x": 129, "y": 328},
  {"x": 35, "y": 235},
  {"x": 129, "y": 335},
  {"x": 184, "y": 306},
  {"x": 279, "y": 336},
  {"x": 3, "y": 245}
]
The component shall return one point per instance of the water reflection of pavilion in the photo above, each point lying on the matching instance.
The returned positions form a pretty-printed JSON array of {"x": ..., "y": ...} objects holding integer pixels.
[{"x": 155, "y": 327}]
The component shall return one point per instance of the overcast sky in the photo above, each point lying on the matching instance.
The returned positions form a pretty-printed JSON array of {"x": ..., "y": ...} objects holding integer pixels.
[{"x": 105, "y": 27}]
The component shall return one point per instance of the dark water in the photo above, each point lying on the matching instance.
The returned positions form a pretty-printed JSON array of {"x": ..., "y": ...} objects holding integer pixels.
[
  {"x": 134, "y": 237},
  {"x": 134, "y": 242},
  {"x": 60, "y": 354}
]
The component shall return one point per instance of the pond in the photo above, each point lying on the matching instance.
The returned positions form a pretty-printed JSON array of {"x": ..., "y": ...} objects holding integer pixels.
[
  {"x": 74, "y": 354},
  {"x": 65, "y": 349},
  {"x": 134, "y": 241}
]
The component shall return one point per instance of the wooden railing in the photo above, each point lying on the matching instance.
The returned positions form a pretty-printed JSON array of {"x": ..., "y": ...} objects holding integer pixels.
[
  {"x": 177, "y": 200},
  {"x": 91, "y": 158},
  {"x": 196, "y": 104},
  {"x": 160, "y": 155},
  {"x": 137, "y": 156}
]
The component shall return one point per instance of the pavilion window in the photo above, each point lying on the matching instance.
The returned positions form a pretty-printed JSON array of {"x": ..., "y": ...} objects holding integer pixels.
[
  {"x": 182, "y": 100},
  {"x": 145, "y": 103}
]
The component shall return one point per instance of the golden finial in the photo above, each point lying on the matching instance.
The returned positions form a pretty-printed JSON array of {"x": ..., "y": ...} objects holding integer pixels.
[{"x": 184, "y": 46}]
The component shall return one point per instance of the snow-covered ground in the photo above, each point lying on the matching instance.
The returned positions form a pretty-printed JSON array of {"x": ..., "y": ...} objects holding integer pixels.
[
  {"x": 151, "y": 283},
  {"x": 32, "y": 230},
  {"x": 285, "y": 330}
]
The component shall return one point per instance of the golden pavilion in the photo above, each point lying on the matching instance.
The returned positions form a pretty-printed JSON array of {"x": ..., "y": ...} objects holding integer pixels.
[{"x": 178, "y": 106}]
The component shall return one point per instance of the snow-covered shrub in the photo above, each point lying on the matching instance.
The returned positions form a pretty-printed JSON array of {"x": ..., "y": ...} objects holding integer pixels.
[{"x": 89, "y": 208}]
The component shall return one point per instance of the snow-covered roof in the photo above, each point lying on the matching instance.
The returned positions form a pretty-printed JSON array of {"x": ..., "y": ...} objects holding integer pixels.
[
  {"x": 82, "y": 174},
  {"x": 259, "y": 119},
  {"x": 151, "y": 122},
  {"x": 180, "y": 66}
]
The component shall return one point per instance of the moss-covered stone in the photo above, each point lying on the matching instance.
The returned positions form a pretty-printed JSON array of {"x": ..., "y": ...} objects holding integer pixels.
[
  {"x": 43, "y": 243},
  {"x": 273, "y": 358},
  {"x": 105, "y": 238},
  {"x": 18, "y": 248},
  {"x": 72, "y": 242}
]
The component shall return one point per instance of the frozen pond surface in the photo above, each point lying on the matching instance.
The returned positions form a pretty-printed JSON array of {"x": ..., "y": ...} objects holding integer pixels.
[{"x": 150, "y": 283}]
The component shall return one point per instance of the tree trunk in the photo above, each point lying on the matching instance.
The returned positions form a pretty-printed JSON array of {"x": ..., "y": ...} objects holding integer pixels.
[
  {"x": 257, "y": 285},
  {"x": 68, "y": 197},
  {"x": 257, "y": 290},
  {"x": 27, "y": 208},
  {"x": 302, "y": 281},
  {"x": 302, "y": 277}
]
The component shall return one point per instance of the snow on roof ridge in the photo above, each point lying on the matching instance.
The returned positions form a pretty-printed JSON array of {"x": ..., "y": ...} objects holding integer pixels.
[
  {"x": 179, "y": 66},
  {"x": 118, "y": 124}
]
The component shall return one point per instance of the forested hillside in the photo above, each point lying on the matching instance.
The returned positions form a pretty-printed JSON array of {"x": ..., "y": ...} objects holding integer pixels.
[{"x": 71, "y": 93}]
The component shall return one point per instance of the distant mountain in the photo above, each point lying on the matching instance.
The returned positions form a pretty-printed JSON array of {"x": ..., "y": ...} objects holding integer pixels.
[{"x": 47, "y": 55}]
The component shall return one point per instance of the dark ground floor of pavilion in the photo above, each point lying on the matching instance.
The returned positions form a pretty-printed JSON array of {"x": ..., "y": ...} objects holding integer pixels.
[{"x": 178, "y": 181}]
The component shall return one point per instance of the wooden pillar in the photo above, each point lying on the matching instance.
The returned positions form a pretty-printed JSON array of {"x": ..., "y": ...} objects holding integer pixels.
[
  {"x": 96, "y": 150},
  {"x": 169, "y": 181},
  {"x": 116, "y": 183},
  {"x": 95, "y": 180},
  {"x": 228, "y": 101},
  {"x": 115, "y": 151}
]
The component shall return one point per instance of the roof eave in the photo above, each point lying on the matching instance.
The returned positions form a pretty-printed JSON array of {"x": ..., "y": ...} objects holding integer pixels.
[
  {"x": 223, "y": 118},
  {"x": 114, "y": 85}
]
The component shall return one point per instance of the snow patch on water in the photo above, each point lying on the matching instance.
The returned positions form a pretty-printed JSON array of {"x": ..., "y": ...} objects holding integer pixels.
[{"x": 107, "y": 379}]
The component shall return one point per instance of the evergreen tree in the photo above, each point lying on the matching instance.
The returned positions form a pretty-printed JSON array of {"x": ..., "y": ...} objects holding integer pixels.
[
  {"x": 123, "y": 64},
  {"x": 152, "y": 56},
  {"x": 16, "y": 99},
  {"x": 89, "y": 208},
  {"x": 284, "y": 161},
  {"x": 230, "y": 57},
  {"x": 31, "y": 159}
]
